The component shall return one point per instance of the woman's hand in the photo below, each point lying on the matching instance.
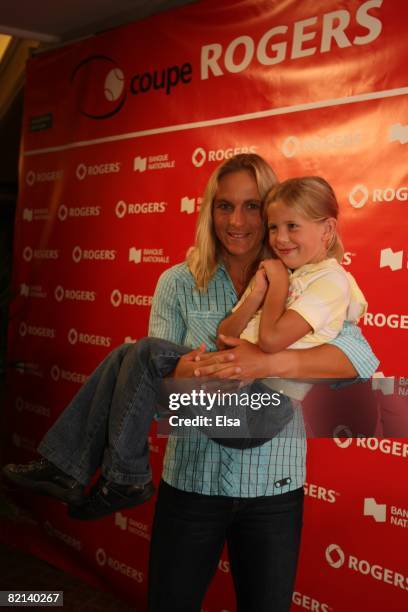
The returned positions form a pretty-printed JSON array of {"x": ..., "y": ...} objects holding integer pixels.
[
  {"x": 246, "y": 360},
  {"x": 242, "y": 361},
  {"x": 188, "y": 363}
]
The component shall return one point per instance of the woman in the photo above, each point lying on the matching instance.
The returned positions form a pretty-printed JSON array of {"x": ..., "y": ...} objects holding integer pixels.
[{"x": 210, "y": 494}]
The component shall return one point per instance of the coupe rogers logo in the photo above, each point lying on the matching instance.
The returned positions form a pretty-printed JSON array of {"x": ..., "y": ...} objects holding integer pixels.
[
  {"x": 77, "y": 254},
  {"x": 30, "y": 178},
  {"x": 55, "y": 373},
  {"x": 120, "y": 209},
  {"x": 290, "y": 146},
  {"x": 111, "y": 87},
  {"x": 73, "y": 336},
  {"x": 28, "y": 254},
  {"x": 358, "y": 196},
  {"x": 22, "y": 329},
  {"x": 107, "y": 80},
  {"x": 116, "y": 298},
  {"x": 81, "y": 172},
  {"x": 199, "y": 157},
  {"x": 293, "y": 145},
  {"x": 342, "y": 436},
  {"x": 59, "y": 293},
  {"x": 62, "y": 212},
  {"x": 335, "y": 556},
  {"x": 101, "y": 556}
]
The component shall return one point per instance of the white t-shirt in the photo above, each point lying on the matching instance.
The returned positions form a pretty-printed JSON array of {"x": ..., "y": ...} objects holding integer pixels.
[{"x": 325, "y": 295}]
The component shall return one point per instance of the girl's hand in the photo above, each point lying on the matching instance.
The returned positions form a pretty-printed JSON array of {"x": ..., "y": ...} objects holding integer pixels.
[{"x": 275, "y": 270}]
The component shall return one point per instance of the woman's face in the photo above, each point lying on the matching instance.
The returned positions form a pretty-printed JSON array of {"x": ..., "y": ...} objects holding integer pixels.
[{"x": 237, "y": 216}]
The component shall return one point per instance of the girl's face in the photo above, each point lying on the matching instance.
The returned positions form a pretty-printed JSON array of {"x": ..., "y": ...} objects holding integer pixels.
[
  {"x": 296, "y": 239},
  {"x": 237, "y": 217}
]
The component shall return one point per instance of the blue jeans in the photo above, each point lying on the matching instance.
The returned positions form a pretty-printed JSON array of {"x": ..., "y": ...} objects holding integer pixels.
[
  {"x": 189, "y": 532},
  {"x": 107, "y": 423}
]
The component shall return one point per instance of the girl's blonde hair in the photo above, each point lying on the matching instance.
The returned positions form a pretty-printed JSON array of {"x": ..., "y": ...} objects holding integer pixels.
[
  {"x": 313, "y": 197},
  {"x": 203, "y": 257}
]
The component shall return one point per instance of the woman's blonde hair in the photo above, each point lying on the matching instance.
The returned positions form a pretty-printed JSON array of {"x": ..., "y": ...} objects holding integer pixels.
[
  {"x": 203, "y": 257},
  {"x": 313, "y": 197}
]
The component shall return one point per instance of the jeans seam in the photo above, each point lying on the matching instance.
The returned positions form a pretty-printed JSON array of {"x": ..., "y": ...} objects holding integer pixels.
[{"x": 129, "y": 409}]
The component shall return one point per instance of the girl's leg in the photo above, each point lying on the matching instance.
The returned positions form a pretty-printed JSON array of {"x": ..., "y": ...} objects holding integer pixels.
[{"x": 108, "y": 419}]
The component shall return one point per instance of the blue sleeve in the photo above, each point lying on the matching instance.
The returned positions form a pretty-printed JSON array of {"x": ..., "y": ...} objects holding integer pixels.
[
  {"x": 166, "y": 319},
  {"x": 353, "y": 344}
]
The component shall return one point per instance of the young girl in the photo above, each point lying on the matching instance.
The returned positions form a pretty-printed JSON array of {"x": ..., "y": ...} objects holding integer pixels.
[
  {"x": 305, "y": 294},
  {"x": 302, "y": 217}
]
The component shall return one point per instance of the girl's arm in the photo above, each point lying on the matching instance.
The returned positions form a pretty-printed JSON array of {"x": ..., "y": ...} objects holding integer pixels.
[
  {"x": 279, "y": 328},
  {"x": 277, "y": 336},
  {"x": 323, "y": 302},
  {"x": 236, "y": 322}
]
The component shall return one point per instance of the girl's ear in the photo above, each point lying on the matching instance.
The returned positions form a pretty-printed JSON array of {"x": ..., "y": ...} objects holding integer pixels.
[{"x": 330, "y": 227}]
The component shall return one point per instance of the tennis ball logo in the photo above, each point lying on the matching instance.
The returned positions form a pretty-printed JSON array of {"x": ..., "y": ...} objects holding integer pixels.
[
  {"x": 114, "y": 84},
  {"x": 101, "y": 75}
]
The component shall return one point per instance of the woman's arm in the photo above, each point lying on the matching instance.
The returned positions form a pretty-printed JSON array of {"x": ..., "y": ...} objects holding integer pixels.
[
  {"x": 347, "y": 356},
  {"x": 245, "y": 360}
]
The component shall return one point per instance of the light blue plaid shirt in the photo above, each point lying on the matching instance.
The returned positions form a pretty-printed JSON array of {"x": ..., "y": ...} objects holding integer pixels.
[{"x": 183, "y": 315}]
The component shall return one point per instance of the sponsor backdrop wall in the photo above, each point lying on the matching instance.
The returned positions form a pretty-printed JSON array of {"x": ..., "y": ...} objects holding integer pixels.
[{"x": 121, "y": 132}]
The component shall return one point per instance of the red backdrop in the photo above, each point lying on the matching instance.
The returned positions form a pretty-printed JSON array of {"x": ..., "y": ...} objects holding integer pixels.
[{"x": 120, "y": 134}]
